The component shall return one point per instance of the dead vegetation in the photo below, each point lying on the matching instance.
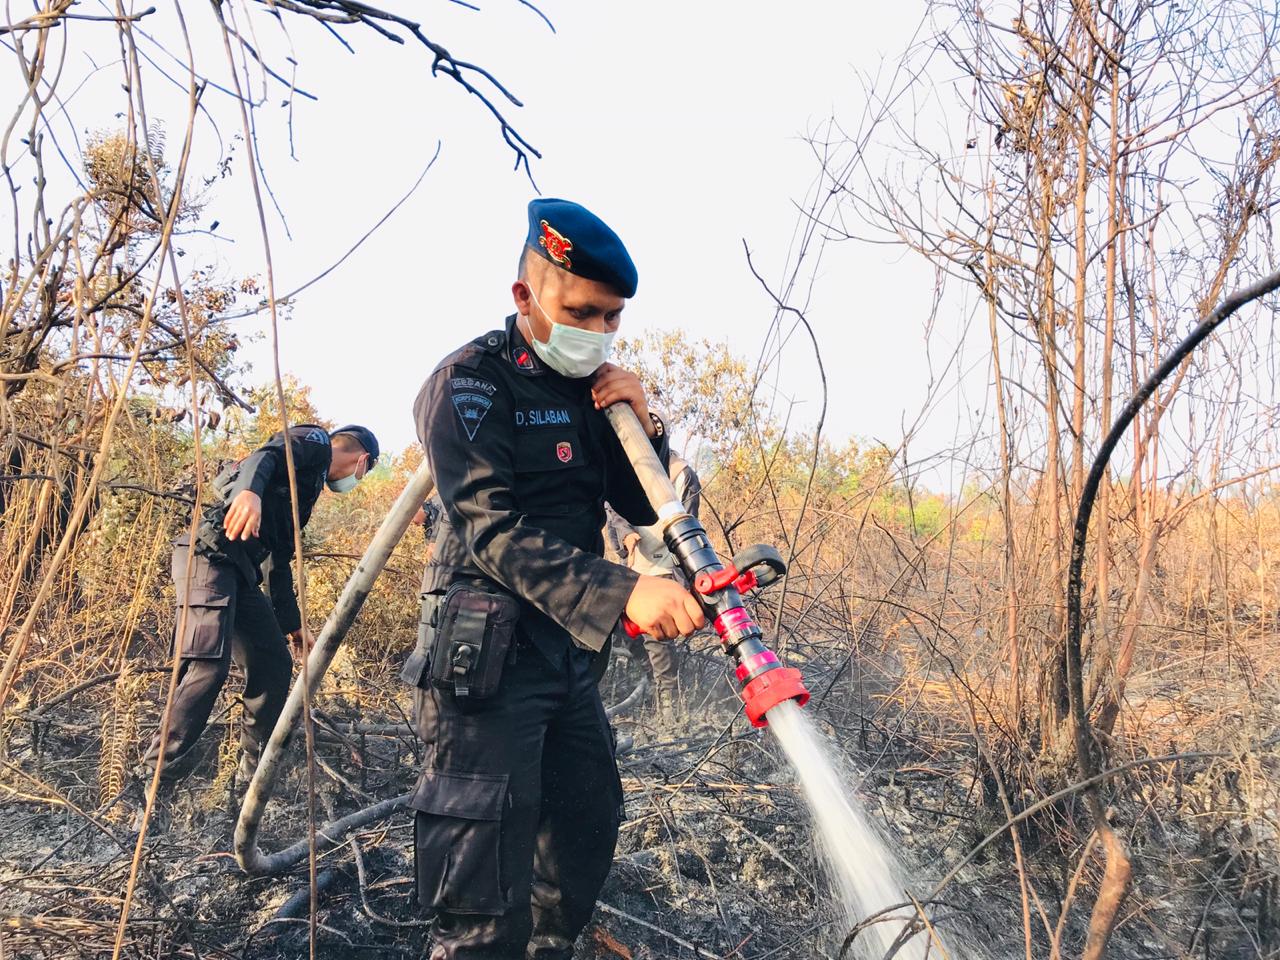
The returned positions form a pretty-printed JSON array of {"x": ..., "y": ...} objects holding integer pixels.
[{"x": 1093, "y": 203}]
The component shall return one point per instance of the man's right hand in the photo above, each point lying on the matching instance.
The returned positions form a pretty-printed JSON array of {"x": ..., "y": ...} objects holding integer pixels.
[
  {"x": 663, "y": 609},
  {"x": 244, "y": 516},
  {"x": 298, "y": 644}
]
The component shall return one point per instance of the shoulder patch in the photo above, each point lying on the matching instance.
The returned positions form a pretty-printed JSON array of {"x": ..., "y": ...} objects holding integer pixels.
[
  {"x": 471, "y": 401},
  {"x": 316, "y": 435},
  {"x": 471, "y": 383}
]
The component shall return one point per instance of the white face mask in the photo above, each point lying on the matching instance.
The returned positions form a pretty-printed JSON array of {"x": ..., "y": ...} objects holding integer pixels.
[
  {"x": 346, "y": 484},
  {"x": 571, "y": 351},
  {"x": 343, "y": 485}
]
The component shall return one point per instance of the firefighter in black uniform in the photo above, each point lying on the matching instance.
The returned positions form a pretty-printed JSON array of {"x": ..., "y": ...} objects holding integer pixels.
[
  {"x": 517, "y": 808},
  {"x": 222, "y": 613}
]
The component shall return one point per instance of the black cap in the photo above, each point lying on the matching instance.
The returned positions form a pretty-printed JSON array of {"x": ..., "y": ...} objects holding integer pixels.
[{"x": 364, "y": 436}]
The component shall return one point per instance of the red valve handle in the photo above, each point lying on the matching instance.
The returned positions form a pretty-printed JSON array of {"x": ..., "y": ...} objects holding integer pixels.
[{"x": 709, "y": 583}]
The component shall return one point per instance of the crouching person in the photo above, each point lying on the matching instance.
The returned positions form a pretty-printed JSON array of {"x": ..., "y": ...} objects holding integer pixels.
[
  {"x": 518, "y": 805},
  {"x": 223, "y": 614}
]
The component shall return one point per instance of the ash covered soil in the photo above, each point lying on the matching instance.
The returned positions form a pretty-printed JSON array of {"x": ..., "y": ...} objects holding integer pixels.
[{"x": 716, "y": 857}]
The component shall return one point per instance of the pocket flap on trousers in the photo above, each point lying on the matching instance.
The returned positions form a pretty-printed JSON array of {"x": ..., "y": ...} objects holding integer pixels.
[
  {"x": 467, "y": 796},
  {"x": 202, "y": 596}
]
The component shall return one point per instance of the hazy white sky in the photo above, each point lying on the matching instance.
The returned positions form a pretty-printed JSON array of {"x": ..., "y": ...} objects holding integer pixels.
[{"x": 681, "y": 124}]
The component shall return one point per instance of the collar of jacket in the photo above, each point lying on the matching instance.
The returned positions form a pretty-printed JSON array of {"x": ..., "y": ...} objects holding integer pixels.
[
  {"x": 520, "y": 354},
  {"x": 525, "y": 359}
]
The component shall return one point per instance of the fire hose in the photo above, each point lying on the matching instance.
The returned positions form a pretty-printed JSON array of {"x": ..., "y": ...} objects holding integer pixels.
[
  {"x": 718, "y": 588},
  {"x": 252, "y": 859},
  {"x": 1085, "y": 756}
]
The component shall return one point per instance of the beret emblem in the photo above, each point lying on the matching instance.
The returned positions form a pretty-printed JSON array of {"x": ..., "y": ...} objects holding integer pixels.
[{"x": 556, "y": 244}]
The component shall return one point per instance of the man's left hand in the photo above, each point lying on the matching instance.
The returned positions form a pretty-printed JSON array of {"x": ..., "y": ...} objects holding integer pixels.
[{"x": 615, "y": 385}]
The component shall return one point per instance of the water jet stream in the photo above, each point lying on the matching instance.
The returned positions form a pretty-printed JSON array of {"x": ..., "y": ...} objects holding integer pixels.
[{"x": 864, "y": 874}]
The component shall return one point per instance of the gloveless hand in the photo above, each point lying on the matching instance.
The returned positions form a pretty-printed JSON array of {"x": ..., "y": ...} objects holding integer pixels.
[
  {"x": 301, "y": 643},
  {"x": 244, "y": 516},
  {"x": 613, "y": 385},
  {"x": 663, "y": 609}
]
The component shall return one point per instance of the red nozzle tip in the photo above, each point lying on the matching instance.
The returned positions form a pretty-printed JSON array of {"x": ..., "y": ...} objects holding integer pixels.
[{"x": 770, "y": 689}]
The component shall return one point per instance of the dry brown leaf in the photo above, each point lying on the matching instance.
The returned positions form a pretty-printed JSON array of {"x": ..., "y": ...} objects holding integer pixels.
[{"x": 607, "y": 945}]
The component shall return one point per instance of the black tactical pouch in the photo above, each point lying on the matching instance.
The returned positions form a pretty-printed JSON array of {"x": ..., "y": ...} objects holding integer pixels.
[
  {"x": 414, "y": 671},
  {"x": 470, "y": 635}
]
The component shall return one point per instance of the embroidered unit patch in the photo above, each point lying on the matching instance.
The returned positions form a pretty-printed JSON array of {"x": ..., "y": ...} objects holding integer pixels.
[
  {"x": 556, "y": 244},
  {"x": 471, "y": 408},
  {"x": 317, "y": 435},
  {"x": 564, "y": 451},
  {"x": 471, "y": 383}
]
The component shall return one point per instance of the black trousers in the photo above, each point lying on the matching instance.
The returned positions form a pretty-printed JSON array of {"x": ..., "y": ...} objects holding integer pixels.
[
  {"x": 226, "y": 618},
  {"x": 517, "y": 810}
]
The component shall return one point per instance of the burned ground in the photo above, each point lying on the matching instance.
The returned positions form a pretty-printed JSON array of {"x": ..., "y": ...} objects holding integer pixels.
[{"x": 716, "y": 857}]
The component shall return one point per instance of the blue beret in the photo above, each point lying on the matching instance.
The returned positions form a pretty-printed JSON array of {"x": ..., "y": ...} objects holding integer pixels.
[
  {"x": 579, "y": 242},
  {"x": 364, "y": 436}
]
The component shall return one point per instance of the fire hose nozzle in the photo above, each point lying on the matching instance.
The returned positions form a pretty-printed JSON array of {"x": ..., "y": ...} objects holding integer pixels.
[
  {"x": 717, "y": 587},
  {"x": 767, "y": 690}
]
